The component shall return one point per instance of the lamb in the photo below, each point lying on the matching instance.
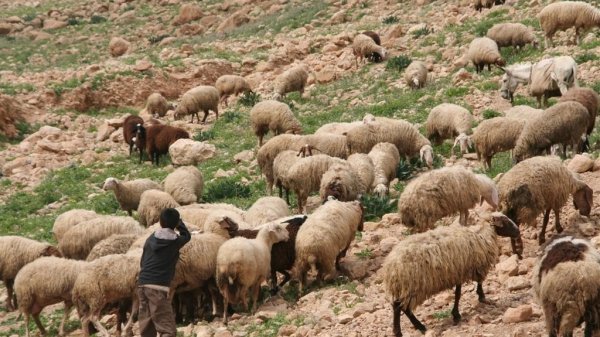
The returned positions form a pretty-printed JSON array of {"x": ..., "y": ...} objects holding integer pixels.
[
  {"x": 15, "y": 253},
  {"x": 364, "y": 46},
  {"x": 385, "y": 159},
  {"x": 364, "y": 168},
  {"x": 415, "y": 75},
  {"x": 157, "y": 105},
  {"x": 566, "y": 282},
  {"x": 228, "y": 85},
  {"x": 523, "y": 112},
  {"x": 158, "y": 138},
  {"x": 566, "y": 14},
  {"x": 564, "y": 123},
  {"x": 128, "y": 193},
  {"x": 266, "y": 209},
  {"x": 114, "y": 244},
  {"x": 274, "y": 116},
  {"x": 68, "y": 219},
  {"x": 185, "y": 185},
  {"x": 130, "y": 125},
  {"x": 444, "y": 192},
  {"x": 496, "y": 135},
  {"x": 152, "y": 203},
  {"x": 337, "y": 128},
  {"x": 484, "y": 51},
  {"x": 590, "y": 100},
  {"x": 79, "y": 240},
  {"x": 243, "y": 264},
  {"x": 374, "y": 57},
  {"x": 203, "y": 98},
  {"x": 537, "y": 185},
  {"x": 325, "y": 237},
  {"x": 512, "y": 34},
  {"x": 46, "y": 281},
  {"x": 341, "y": 182},
  {"x": 293, "y": 79},
  {"x": 450, "y": 120},
  {"x": 409, "y": 281}
]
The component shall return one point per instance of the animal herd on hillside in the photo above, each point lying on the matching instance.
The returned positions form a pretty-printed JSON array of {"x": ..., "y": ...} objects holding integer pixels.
[{"x": 95, "y": 263}]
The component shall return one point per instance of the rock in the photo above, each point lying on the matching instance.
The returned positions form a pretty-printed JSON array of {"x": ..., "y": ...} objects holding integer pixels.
[
  {"x": 395, "y": 32},
  {"x": 509, "y": 266},
  {"x": 190, "y": 152},
  {"x": 517, "y": 283},
  {"x": 245, "y": 156},
  {"x": 343, "y": 319},
  {"x": 326, "y": 75},
  {"x": 339, "y": 17},
  {"x": 191, "y": 29},
  {"x": 580, "y": 163},
  {"x": 224, "y": 174},
  {"x": 587, "y": 229},
  {"x": 15, "y": 164},
  {"x": 5, "y": 28},
  {"x": 235, "y": 20},
  {"x": 203, "y": 331},
  {"x": 104, "y": 131},
  {"x": 286, "y": 330},
  {"x": 223, "y": 333},
  {"x": 142, "y": 65},
  {"x": 354, "y": 267},
  {"x": 387, "y": 244},
  {"x": 50, "y": 24},
  {"x": 116, "y": 136},
  {"x": 188, "y": 13},
  {"x": 461, "y": 75},
  {"x": 519, "y": 314},
  {"x": 209, "y": 21},
  {"x": 118, "y": 46},
  {"x": 50, "y": 146}
]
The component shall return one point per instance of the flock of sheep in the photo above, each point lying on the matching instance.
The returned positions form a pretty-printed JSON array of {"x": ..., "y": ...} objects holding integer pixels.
[{"x": 233, "y": 251}]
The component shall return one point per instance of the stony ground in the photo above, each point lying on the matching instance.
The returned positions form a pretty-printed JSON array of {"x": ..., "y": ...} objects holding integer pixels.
[{"x": 62, "y": 93}]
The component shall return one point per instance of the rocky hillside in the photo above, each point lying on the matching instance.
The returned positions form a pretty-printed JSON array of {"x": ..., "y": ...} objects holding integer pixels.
[{"x": 70, "y": 71}]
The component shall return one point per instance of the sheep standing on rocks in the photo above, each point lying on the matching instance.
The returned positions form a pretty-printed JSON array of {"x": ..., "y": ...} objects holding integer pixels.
[
  {"x": 16, "y": 252},
  {"x": 566, "y": 14},
  {"x": 563, "y": 123},
  {"x": 325, "y": 237},
  {"x": 364, "y": 46},
  {"x": 444, "y": 192},
  {"x": 590, "y": 100},
  {"x": 228, "y": 85},
  {"x": 243, "y": 264},
  {"x": 157, "y": 105},
  {"x": 266, "y": 209},
  {"x": 293, "y": 79},
  {"x": 484, "y": 51},
  {"x": 496, "y": 135},
  {"x": 130, "y": 125},
  {"x": 70, "y": 218},
  {"x": 274, "y": 116},
  {"x": 203, "y": 98},
  {"x": 566, "y": 282},
  {"x": 540, "y": 185},
  {"x": 415, "y": 75},
  {"x": 158, "y": 138},
  {"x": 385, "y": 159},
  {"x": 152, "y": 202},
  {"x": 409, "y": 281},
  {"x": 447, "y": 121},
  {"x": 185, "y": 185},
  {"x": 512, "y": 34},
  {"x": 128, "y": 193}
]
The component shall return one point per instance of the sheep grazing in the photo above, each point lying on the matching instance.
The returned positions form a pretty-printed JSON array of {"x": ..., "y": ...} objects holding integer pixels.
[
  {"x": 152, "y": 202},
  {"x": 266, "y": 209},
  {"x": 337, "y": 128},
  {"x": 496, "y": 135},
  {"x": 415, "y": 75},
  {"x": 158, "y": 139},
  {"x": 130, "y": 125},
  {"x": 363, "y": 167},
  {"x": 447, "y": 121},
  {"x": 566, "y": 14},
  {"x": 480, "y": 4},
  {"x": 563, "y": 123},
  {"x": 512, "y": 34},
  {"x": 281, "y": 165},
  {"x": 114, "y": 244},
  {"x": 484, "y": 51},
  {"x": 566, "y": 282},
  {"x": 409, "y": 281},
  {"x": 293, "y": 79},
  {"x": 325, "y": 237},
  {"x": 590, "y": 100},
  {"x": 157, "y": 105},
  {"x": 199, "y": 98},
  {"x": 341, "y": 182},
  {"x": 540, "y": 185},
  {"x": 444, "y": 192},
  {"x": 43, "y": 282},
  {"x": 385, "y": 159},
  {"x": 70, "y": 218},
  {"x": 243, "y": 264},
  {"x": 228, "y": 85},
  {"x": 128, "y": 193},
  {"x": 274, "y": 116},
  {"x": 185, "y": 185},
  {"x": 374, "y": 57},
  {"x": 523, "y": 112},
  {"x": 16, "y": 252},
  {"x": 364, "y": 46}
]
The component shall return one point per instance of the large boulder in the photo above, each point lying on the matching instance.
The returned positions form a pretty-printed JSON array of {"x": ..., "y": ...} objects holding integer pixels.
[
  {"x": 187, "y": 14},
  {"x": 190, "y": 152},
  {"x": 118, "y": 46}
]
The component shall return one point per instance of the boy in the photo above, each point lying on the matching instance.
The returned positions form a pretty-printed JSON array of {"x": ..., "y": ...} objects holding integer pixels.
[{"x": 161, "y": 252}]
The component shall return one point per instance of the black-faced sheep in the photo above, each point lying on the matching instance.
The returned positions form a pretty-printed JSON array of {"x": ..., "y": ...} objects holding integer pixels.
[
  {"x": 159, "y": 138},
  {"x": 273, "y": 116},
  {"x": 128, "y": 193},
  {"x": 363, "y": 46},
  {"x": 563, "y": 15},
  {"x": 341, "y": 182},
  {"x": 409, "y": 281},
  {"x": 293, "y": 79},
  {"x": 130, "y": 126},
  {"x": 374, "y": 57},
  {"x": 484, "y": 51},
  {"x": 228, "y": 85},
  {"x": 203, "y": 98}
]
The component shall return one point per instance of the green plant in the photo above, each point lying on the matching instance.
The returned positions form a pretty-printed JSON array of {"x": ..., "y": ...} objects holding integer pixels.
[
  {"x": 388, "y": 20},
  {"x": 405, "y": 170},
  {"x": 586, "y": 57},
  {"x": 441, "y": 314},
  {"x": 202, "y": 136},
  {"x": 73, "y": 22},
  {"x": 364, "y": 254},
  {"x": 225, "y": 188},
  {"x": 154, "y": 39},
  {"x": 489, "y": 113},
  {"x": 398, "y": 63},
  {"x": 97, "y": 19},
  {"x": 375, "y": 207},
  {"x": 249, "y": 99},
  {"x": 456, "y": 91},
  {"x": 232, "y": 117},
  {"x": 421, "y": 32}
]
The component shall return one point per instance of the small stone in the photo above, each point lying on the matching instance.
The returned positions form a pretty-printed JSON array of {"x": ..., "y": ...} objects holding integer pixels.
[
  {"x": 287, "y": 330},
  {"x": 118, "y": 46},
  {"x": 104, "y": 131},
  {"x": 5, "y": 28},
  {"x": 188, "y": 13},
  {"x": 343, "y": 319},
  {"x": 235, "y": 20},
  {"x": 223, "y": 333},
  {"x": 581, "y": 163},
  {"x": 517, "y": 283},
  {"x": 142, "y": 65},
  {"x": 587, "y": 229},
  {"x": 50, "y": 24},
  {"x": 190, "y": 152},
  {"x": 245, "y": 156},
  {"x": 224, "y": 174},
  {"x": 521, "y": 313},
  {"x": 509, "y": 266}
]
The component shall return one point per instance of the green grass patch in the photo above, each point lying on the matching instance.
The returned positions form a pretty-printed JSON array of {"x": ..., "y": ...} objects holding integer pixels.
[
  {"x": 489, "y": 86},
  {"x": 582, "y": 58},
  {"x": 421, "y": 32},
  {"x": 249, "y": 99},
  {"x": 270, "y": 327},
  {"x": 456, "y": 91},
  {"x": 375, "y": 207},
  {"x": 398, "y": 63},
  {"x": 225, "y": 188},
  {"x": 440, "y": 315},
  {"x": 15, "y": 88},
  {"x": 489, "y": 113},
  {"x": 388, "y": 20},
  {"x": 202, "y": 136},
  {"x": 365, "y": 254}
]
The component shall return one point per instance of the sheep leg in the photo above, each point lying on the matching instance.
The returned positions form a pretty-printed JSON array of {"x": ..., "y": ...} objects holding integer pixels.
[
  {"x": 517, "y": 246},
  {"x": 488, "y": 161},
  {"x": 274, "y": 287},
  {"x": 542, "y": 237},
  {"x": 260, "y": 140},
  {"x": 101, "y": 329},
  {"x": 67, "y": 311},
  {"x": 397, "y": 306},
  {"x": 489, "y": 67},
  {"x": 26, "y": 319},
  {"x": 286, "y": 278},
  {"x": 455, "y": 313},
  {"x": 577, "y": 37},
  {"x": 557, "y": 225},
  {"x": 415, "y": 322},
  {"x": 225, "y": 304},
  {"x": 10, "y": 300},
  {"x": 340, "y": 255},
  {"x": 36, "y": 319},
  {"x": 255, "y": 293},
  {"x": 287, "y": 195},
  {"x": 134, "y": 310},
  {"x": 130, "y": 148},
  {"x": 463, "y": 218}
]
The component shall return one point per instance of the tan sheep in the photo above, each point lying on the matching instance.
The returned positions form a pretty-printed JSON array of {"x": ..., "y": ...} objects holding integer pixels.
[
  {"x": 266, "y": 209},
  {"x": 523, "y": 112},
  {"x": 128, "y": 193},
  {"x": 197, "y": 214},
  {"x": 336, "y": 128},
  {"x": 385, "y": 159},
  {"x": 563, "y": 15},
  {"x": 203, "y": 98},
  {"x": 512, "y": 34},
  {"x": 484, "y": 51},
  {"x": 70, "y": 218},
  {"x": 496, "y": 135},
  {"x": 114, "y": 244},
  {"x": 228, "y": 85},
  {"x": 152, "y": 203},
  {"x": 281, "y": 165},
  {"x": 363, "y": 166},
  {"x": 341, "y": 182},
  {"x": 293, "y": 79},
  {"x": 185, "y": 185},
  {"x": 363, "y": 47},
  {"x": 274, "y": 116},
  {"x": 590, "y": 100},
  {"x": 157, "y": 105},
  {"x": 447, "y": 121},
  {"x": 415, "y": 75}
]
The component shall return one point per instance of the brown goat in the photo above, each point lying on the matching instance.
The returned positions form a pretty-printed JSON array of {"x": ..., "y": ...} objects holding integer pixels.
[
  {"x": 160, "y": 137},
  {"x": 129, "y": 130}
]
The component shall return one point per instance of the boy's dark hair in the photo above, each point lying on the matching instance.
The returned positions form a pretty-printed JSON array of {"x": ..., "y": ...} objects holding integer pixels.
[{"x": 169, "y": 218}]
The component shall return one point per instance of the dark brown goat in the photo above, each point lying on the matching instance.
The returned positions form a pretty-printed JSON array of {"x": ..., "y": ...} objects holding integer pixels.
[
  {"x": 158, "y": 139},
  {"x": 130, "y": 125}
]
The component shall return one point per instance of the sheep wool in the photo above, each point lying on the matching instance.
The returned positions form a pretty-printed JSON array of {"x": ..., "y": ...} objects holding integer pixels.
[
  {"x": 363, "y": 167},
  {"x": 185, "y": 185},
  {"x": 480, "y": 4},
  {"x": 68, "y": 219},
  {"x": 496, "y": 135},
  {"x": 157, "y": 105},
  {"x": 341, "y": 182},
  {"x": 197, "y": 214},
  {"x": 114, "y": 244},
  {"x": 202, "y": 98},
  {"x": 385, "y": 157},
  {"x": 447, "y": 121},
  {"x": 415, "y": 75},
  {"x": 266, "y": 209},
  {"x": 273, "y": 116},
  {"x": 363, "y": 46},
  {"x": 444, "y": 192},
  {"x": 484, "y": 51},
  {"x": 523, "y": 112},
  {"x": 128, "y": 193},
  {"x": 293, "y": 79},
  {"x": 228, "y": 85},
  {"x": 589, "y": 99},
  {"x": 563, "y": 15},
  {"x": 152, "y": 203},
  {"x": 512, "y": 34},
  {"x": 336, "y": 128},
  {"x": 281, "y": 165}
]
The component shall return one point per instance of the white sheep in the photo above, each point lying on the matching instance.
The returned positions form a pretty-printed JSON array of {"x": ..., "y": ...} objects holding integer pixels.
[
  {"x": 444, "y": 192},
  {"x": 228, "y": 85},
  {"x": 512, "y": 34},
  {"x": 454, "y": 255},
  {"x": 484, "y": 51},
  {"x": 68, "y": 219},
  {"x": 203, "y": 98},
  {"x": 336, "y": 128},
  {"x": 293, "y": 79},
  {"x": 523, "y": 112},
  {"x": 114, "y": 244},
  {"x": 415, "y": 75},
  {"x": 364, "y": 168},
  {"x": 128, "y": 193},
  {"x": 563, "y": 15},
  {"x": 157, "y": 105},
  {"x": 243, "y": 264},
  {"x": 363, "y": 47},
  {"x": 266, "y": 209},
  {"x": 198, "y": 214},
  {"x": 185, "y": 185},
  {"x": 496, "y": 135},
  {"x": 152, "y": 203},
  {"x": 450, "y": 120},
  {"x": 385, "y": 159},
  {"x": 341, "y": 182},
  {"x": 273, "y": 116}
]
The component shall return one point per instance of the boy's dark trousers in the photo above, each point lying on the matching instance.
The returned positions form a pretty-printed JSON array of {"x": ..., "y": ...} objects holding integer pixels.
[{"x": 156, "y": 313}]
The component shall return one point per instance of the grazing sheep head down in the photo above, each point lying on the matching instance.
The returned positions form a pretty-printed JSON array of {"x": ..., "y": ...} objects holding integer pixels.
[
  {"x": 51, "y": 251},
  {"x": 464, "y": 142},
  {"x": 380, "y": 190},
  {"x": 277, "y": 232},
  {"x": 426, "y": 155},
  {"x": 229, "y": 225},
  {"x": 583, "y": 200},
  {"x": 488, "y": 190},
  {"x": 110, "y": 184},
  {"x": 504, "y": 226}
]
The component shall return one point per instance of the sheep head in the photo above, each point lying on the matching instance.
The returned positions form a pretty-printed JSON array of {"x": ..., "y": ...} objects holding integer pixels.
[
  {"x": 488, "y": 190},
  {"x": 229, "y": 225},
  {"x": 51, "y": 251},
  {"x": 276, "y": 232},
  {"x": 110, "y": 184},
  {"x": 464, "y": 142},
  {"x": 426, "y": 155},
  {"x": 504, "y": 226},
  {"x": 583, "y": 200}
]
